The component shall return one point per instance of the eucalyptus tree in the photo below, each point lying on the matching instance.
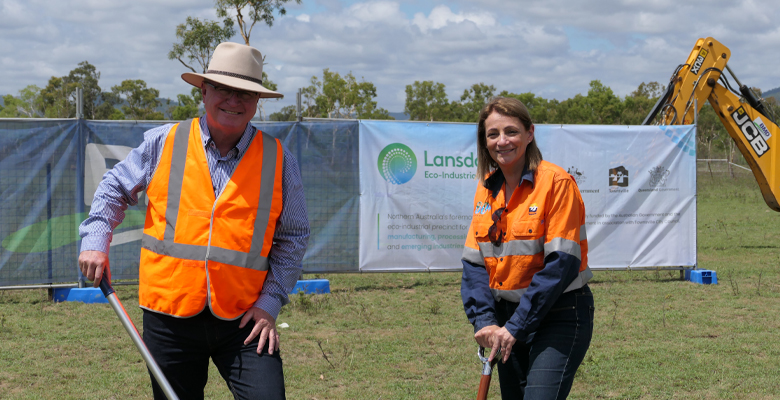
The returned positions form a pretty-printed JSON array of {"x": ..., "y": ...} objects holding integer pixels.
[
  {"x": 337, "y": 96},
  {"x": 255, "y": 10},
  {"x": 197, "y": 40},
  {"x": 140, "y": 102},
  {"x": 427, "y": 101}
]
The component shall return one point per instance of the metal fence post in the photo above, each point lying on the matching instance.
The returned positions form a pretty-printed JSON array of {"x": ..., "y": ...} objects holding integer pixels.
[
  {"x": 81, "y": 141},
  {"x": 298, "y": 111},
  {"x": 79, "y": 103}
]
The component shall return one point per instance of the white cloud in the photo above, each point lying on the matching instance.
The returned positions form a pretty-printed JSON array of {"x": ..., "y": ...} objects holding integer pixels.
[
  {"x": 387, "y": 12},
  {"x": 442, "y": 16},
  {"x": 14, "y": 14}
]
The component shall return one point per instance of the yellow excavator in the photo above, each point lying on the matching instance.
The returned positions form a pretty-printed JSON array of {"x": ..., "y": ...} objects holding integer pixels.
[{"x": 744, "y": 115}]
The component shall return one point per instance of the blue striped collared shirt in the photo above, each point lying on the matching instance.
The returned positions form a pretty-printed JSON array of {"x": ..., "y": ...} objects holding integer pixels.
[{"x": 121, "y": 185}]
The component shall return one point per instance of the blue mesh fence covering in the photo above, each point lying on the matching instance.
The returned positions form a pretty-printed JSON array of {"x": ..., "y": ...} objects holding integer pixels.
[
  {"x": 38, "y": 169},
  {"x": 49, "y": 168}
]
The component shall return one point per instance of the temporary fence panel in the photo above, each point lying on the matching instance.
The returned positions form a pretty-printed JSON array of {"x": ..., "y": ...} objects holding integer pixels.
[
  {"x": 417, "y": 191},
  {"x": 39, "y": 165},
  {"x": 327, "y": 152}
]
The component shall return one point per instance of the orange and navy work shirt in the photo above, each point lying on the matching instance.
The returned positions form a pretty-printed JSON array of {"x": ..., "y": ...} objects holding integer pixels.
[
  {"x": 539, "y": 248},
  {"x": 200, "y": 249}
]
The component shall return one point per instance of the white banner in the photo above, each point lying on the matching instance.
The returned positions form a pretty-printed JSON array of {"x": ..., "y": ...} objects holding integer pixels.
[{"x": 417, "y": 184}]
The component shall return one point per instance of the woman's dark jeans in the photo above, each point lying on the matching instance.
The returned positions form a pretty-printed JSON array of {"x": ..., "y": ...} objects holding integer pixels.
[{"x": 543, "y": 366}]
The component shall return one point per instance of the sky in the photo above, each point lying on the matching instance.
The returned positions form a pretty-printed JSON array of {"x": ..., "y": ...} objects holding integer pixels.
[{"x": 552, "y": 48}]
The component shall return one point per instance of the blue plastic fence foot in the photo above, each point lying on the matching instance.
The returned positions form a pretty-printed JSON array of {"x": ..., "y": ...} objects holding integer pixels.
[
  {"x": 308, "y": 286},
  {"x": 85, "y": 295},
  {"x": 701, "y": 276}
]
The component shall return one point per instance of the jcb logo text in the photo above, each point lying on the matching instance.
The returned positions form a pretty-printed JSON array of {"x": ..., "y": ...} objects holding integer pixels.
[{"x": 750, "y": 131}]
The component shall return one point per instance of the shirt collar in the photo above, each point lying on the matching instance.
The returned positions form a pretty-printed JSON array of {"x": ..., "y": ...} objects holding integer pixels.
[
  {"x": 241, "y": 146},
  {"x": 496, "y": 180}
]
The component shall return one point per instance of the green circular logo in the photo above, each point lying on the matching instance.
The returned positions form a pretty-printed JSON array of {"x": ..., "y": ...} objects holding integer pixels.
[{"x": 397, "y": 163}]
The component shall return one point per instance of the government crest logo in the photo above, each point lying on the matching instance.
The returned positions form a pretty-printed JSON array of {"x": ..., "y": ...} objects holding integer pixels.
[
  {"x": 658, "y": 176},
  {"x": 579, "y": 176}
]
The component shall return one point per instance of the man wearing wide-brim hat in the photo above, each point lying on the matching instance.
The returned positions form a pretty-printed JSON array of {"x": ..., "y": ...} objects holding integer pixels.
[{"x": 225, "y": 232}]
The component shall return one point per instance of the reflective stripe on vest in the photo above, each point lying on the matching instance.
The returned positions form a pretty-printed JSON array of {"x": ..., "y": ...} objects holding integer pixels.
[{"x": 235, "y": 267}]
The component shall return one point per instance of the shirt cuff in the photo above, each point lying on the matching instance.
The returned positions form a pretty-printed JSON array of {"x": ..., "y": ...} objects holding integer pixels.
[
  {"x": 269, "y": 304},
  {"x": 96, "y": 242},
  {"x": 484, "y": 320},
  {"x": 515, "y": 331}
]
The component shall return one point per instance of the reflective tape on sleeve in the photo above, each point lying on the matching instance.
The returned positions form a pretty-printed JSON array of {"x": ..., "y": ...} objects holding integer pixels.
[
  {"x": 473, "y": 256},
  {"x": 567, "y": 246},
  {"x": 580, "y": 281},
  {"x": 508, "y": 295}
]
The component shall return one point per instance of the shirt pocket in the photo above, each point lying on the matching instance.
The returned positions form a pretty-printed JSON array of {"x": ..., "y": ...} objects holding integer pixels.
[
  {"x": 481, "y": 229},
  {"x": 527, "y": 228}
]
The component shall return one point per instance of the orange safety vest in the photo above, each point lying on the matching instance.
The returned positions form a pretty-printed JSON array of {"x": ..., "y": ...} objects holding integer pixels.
[
  {"x": 540, "y": 218},
  {"x": 198, "y": 249}
]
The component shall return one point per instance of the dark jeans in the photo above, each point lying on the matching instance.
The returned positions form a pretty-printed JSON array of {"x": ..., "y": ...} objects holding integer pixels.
[
  {"x": 182, "y": 347},
  {"x": 543, "y": 366}
]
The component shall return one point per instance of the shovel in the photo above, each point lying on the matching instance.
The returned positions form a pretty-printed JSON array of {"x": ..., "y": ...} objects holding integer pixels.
[
  {"x": 108, "y": 291},
  {"x": 487, "y": 372}
]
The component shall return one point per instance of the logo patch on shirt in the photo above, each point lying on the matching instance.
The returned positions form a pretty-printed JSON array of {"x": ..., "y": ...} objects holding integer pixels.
[
  {"x": 482, "y": 207},
  {"x": 533, "y": 209}
]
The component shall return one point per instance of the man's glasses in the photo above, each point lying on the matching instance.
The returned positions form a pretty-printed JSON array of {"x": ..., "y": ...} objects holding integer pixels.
[
  {"x": 226, "y": 92},
  {"x": 496, "y": 235}
]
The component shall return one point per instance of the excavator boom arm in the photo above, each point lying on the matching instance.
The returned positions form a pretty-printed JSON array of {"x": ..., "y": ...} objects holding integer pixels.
[
  {"x": 756, "y": 137},
  {"x": 745, "y": 118}
]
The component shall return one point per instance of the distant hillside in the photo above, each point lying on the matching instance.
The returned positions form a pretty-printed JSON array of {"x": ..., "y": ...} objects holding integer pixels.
[
  {"x": 399, "y": 116},
  {"x": 772, "y": 93}
]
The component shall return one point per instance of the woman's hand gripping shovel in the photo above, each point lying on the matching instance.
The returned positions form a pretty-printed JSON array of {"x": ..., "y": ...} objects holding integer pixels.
[
  {"x": 487, "y": 372},
  {"x": 108, "y": 291}
]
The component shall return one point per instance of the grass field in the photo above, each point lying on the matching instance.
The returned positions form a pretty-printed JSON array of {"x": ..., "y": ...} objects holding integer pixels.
[{"x": 404, "y": 336}]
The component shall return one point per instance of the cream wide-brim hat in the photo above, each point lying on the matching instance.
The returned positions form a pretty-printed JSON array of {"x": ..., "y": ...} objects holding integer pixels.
[{"x": 235, "y": 65}]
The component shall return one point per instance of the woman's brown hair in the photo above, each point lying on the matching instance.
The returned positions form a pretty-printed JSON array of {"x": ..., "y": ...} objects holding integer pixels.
[{"x": 509, "y": 107}]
